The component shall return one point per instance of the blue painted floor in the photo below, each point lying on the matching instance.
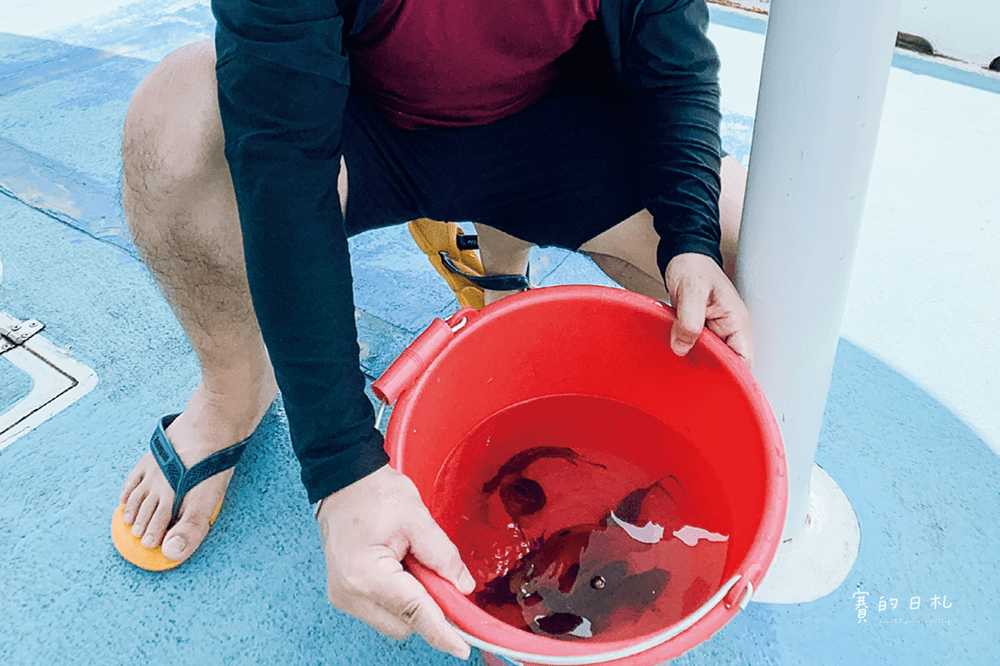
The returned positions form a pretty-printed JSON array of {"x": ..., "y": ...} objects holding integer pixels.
[{"x": 911, "y": 430}]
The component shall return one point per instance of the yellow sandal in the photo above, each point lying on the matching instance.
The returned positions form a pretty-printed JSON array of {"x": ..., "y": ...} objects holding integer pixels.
[{"x": 453, "y": 255}]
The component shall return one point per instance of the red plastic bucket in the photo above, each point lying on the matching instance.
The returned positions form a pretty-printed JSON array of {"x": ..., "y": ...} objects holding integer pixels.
[{"x": 603, "y": 343}]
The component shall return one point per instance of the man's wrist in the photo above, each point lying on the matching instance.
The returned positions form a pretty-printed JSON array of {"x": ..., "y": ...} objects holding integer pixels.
[{"x": 323, "y": 476}]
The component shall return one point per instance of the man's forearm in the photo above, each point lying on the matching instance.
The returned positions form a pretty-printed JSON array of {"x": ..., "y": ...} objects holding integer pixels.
[
  {"x": 671, "y": 77},
  {"x": 282, "y": 124}
]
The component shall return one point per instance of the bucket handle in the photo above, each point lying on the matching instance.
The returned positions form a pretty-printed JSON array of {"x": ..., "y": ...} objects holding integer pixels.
[
  {"x": 603, "y": 657},
  {"x": 415, "y": 359}
]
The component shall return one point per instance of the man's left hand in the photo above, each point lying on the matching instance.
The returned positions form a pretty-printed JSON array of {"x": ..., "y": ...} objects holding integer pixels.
[{"x": 704, "y": 296}]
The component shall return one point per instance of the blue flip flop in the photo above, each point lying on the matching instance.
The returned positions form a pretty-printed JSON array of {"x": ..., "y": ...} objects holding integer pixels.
[{"x": 182, "y": 479}]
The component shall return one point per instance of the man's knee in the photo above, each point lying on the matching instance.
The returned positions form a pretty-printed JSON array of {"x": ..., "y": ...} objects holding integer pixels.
[{"x": 172, "y": 135}]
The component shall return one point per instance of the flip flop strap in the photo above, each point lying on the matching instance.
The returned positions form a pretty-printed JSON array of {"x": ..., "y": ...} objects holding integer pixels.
[
  {"x": 181, "y": 478},
  {"x": 492, "y": 282}
]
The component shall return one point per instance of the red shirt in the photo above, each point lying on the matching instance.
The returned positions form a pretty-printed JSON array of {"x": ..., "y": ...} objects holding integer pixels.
[{"x": 453, "y": 63}]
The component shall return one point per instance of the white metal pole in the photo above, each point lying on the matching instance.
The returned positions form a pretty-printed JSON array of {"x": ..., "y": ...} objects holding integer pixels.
[{"x": 823, "y": 83}]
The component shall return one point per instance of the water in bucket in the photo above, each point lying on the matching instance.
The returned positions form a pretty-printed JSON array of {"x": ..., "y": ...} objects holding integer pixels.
[{"x": 584, "y": 518}]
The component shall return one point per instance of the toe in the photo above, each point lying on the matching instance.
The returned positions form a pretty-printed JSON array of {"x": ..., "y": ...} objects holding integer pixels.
[
  {"x": 135, "y": 501},
  {"x": 157, "y": 526},
  {"x": 184, "y": 538},
  {"x": 132, "y": 481},
  {"x": 144, "y": 515}
]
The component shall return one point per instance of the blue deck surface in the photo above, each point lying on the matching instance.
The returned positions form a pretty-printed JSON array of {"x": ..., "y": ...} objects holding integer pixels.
[{"x": 923, "y": 482}]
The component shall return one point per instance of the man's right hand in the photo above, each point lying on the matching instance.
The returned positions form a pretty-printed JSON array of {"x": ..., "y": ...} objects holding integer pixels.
[{"x": 367, "y": 529}]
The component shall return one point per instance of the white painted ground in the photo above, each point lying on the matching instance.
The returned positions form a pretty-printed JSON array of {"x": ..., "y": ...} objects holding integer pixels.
[
  {"x": 34, "y": 18},
  {"x": 965, "y": 29},
  {"x": 38, "y": 18},
  {"x": 925, "y": 293}
]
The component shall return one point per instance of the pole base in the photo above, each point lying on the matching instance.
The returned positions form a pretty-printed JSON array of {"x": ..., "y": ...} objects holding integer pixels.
[{"x": 814, "y": 563}]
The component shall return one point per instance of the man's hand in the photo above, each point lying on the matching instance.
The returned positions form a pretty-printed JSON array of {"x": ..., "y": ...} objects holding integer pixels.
[
  {"x": 367, "y": 528},
  {"x": 704, "y": 296}
]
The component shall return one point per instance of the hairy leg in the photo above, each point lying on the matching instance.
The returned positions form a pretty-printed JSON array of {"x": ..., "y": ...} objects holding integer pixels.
[{"x": 181, "y": 211}]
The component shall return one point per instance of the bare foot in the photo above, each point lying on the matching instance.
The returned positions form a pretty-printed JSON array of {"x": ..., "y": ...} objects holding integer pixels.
[{"x": 210, "y": 423}]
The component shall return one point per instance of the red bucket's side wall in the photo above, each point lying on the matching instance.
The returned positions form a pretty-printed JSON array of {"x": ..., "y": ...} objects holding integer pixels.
[{"x": 606, "y": 343}]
